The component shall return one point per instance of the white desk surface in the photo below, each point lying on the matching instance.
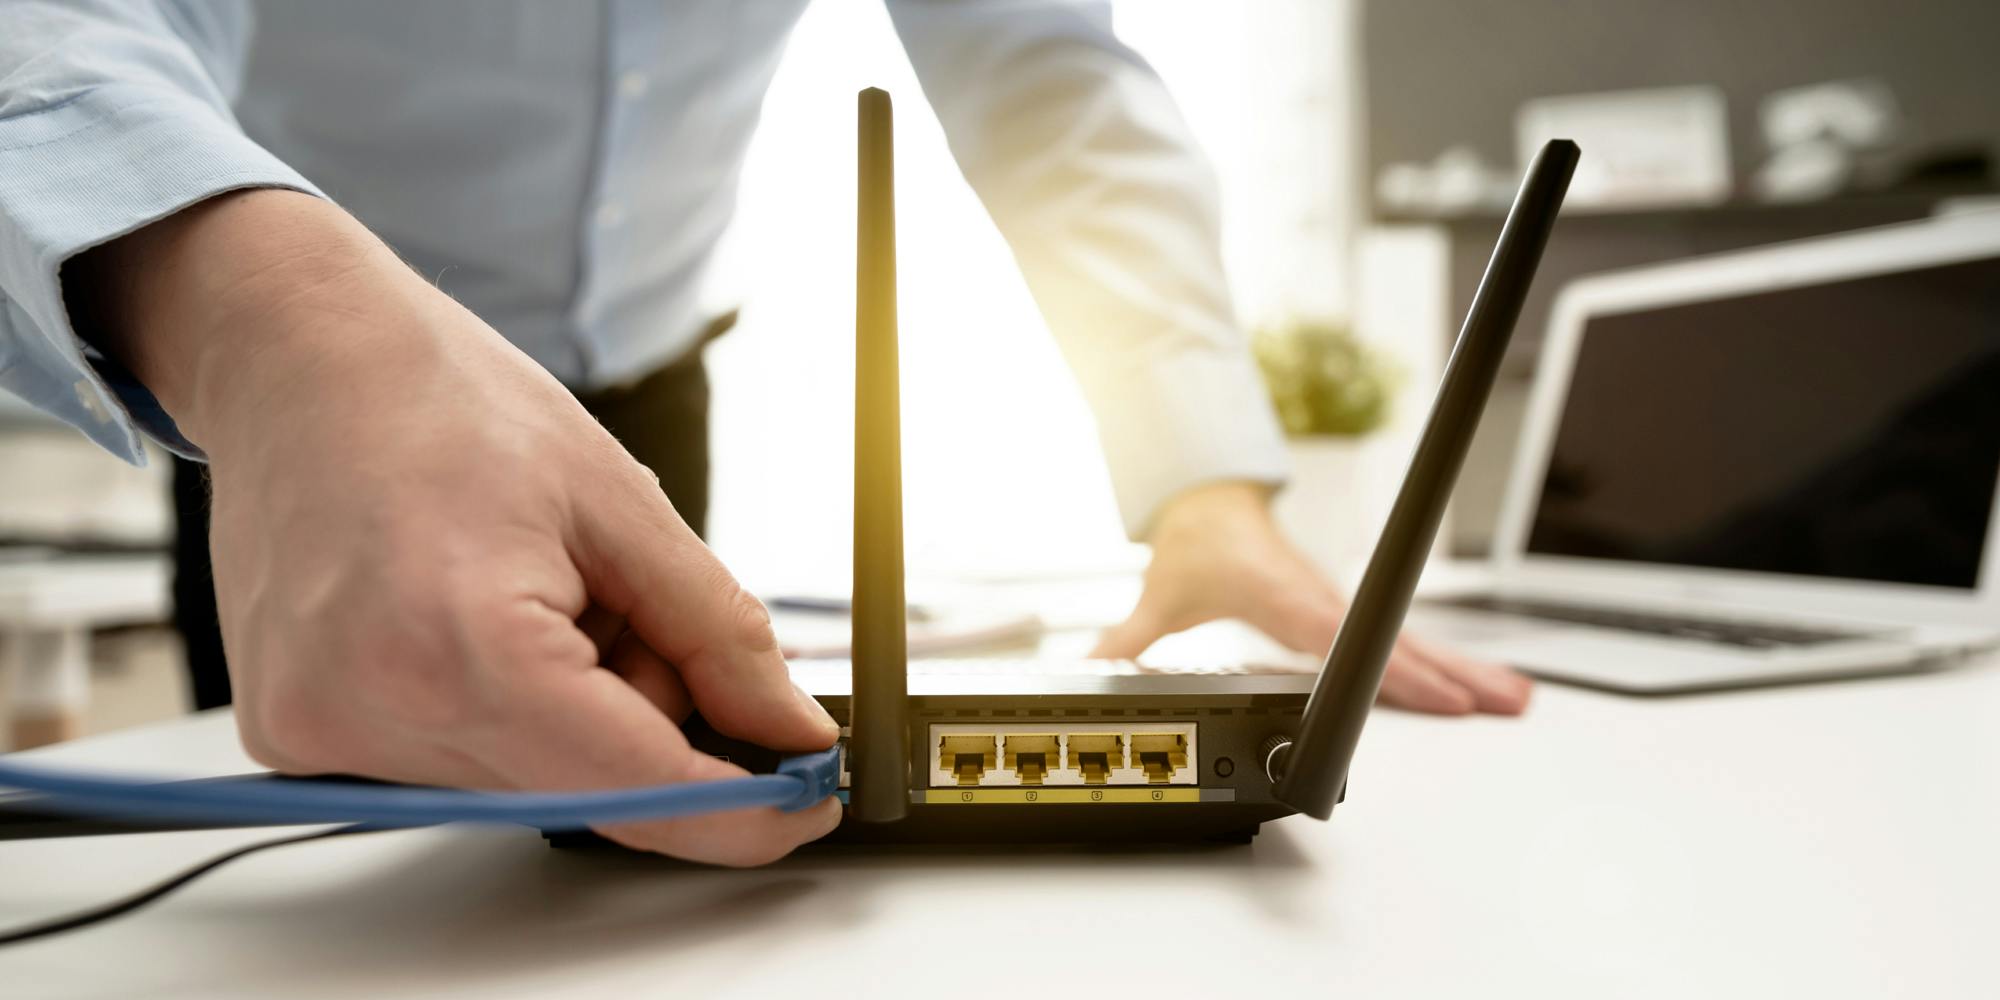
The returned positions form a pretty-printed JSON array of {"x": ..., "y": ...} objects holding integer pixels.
[{"x": 1828, "y": 841}]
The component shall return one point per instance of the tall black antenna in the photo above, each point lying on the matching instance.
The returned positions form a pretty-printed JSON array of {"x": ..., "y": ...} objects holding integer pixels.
[
  {"x": 878, "y": 744},
  {"x": 1311, "y": 774}
]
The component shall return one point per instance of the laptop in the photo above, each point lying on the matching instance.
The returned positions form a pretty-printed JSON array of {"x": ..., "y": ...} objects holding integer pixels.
[{"x": 1773, "y": 465}]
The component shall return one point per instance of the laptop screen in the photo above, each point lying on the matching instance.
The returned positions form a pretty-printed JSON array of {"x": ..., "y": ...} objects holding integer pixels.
[{"x": 1847, "y": 430}]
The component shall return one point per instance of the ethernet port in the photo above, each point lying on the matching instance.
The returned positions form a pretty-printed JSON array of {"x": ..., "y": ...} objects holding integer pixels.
[
  {"x": 967, "y": 757},
  {"x": 1030, "y": 755},
  {"x": 1159, "y": 755},
  {"x": 1093, "y": 755}
]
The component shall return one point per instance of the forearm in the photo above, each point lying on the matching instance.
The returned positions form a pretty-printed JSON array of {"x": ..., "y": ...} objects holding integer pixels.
[
  {"x": 1194, "y": 512},
  {"x": 233, "y": 302},
  {"x": 114, "y": 116},
  {"x": 1081, "y": 157}
]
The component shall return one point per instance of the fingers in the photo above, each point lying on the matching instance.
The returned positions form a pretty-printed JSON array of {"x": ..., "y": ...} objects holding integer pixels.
[
  {"x": 1495, "y": 688},
  {"x": 1424, "y": 677},
  {"x": 655, "y": 679},
  {"x": 741, "y": 839},
  {"x": 1421, "y": 676},
  {"x": 615, "y": 738},
  {"x": 601, "y": 627},
  {"x": 1127, "y": 639},
  {"x": 1303, "y": 620},
  {"x": 1417, "y": 685},
  {"x": 640, "y": 561},
  {"x": 622, "y": 652},
  {"x": 583, "y": 728}
]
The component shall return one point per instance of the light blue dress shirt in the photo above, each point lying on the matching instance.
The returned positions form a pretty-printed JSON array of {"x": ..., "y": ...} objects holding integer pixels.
[{"x": 566, "y": 169}]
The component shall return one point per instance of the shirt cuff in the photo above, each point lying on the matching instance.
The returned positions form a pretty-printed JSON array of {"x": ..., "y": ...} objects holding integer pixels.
[
  {"x": 1185, "y": 418},
  {"x": 81, "y": 172}
]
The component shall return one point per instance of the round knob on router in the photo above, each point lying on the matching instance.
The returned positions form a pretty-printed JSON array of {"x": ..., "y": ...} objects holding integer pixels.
[{"x": 1274, "y": 752}]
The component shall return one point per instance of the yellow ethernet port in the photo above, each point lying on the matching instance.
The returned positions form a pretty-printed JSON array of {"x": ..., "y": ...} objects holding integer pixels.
[
  {"x": 968, "y": 757},
  {"x": 1030, "y": 755},
  {"x": 1093, "y": 755},
  {"x": 1159, "y": 755}
]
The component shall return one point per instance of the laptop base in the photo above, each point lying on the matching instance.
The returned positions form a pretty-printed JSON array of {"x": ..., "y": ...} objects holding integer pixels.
[{"x": 1647, "y": 661}]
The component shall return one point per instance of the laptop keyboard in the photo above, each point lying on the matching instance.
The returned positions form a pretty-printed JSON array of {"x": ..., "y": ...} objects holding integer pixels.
[{"x": 1746, "y": 634}]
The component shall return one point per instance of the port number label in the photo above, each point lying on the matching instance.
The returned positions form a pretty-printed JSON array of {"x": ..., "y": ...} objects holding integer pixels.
[{"x": 1065, "y": 796}]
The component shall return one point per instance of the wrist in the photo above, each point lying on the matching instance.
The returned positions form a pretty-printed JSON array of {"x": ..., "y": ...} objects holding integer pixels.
[
  {"x": 227, "y": 303},
  {"x": 1197, "y": 510}
]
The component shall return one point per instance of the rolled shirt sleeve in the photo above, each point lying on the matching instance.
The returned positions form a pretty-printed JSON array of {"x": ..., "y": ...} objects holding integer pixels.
[
  {"x": 113, "y": 115},
  {"x": 1079, "y": 154}
]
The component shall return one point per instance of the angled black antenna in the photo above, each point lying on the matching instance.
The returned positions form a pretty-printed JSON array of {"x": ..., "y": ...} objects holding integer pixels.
[
  {"x": 1311, "y": 774},
  {"x": 878, "y": 744}
]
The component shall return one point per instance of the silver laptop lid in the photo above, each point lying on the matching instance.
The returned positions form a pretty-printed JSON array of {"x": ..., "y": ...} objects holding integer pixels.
[{"x": 1775, "y": 427}]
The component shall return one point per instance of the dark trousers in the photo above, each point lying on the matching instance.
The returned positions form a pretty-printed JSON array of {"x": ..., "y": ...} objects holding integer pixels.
[{"x": 661, "y": 419}]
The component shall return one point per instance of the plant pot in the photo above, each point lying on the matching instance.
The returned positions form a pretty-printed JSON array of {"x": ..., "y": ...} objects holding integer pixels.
[{"x": 1337, "y": 498}]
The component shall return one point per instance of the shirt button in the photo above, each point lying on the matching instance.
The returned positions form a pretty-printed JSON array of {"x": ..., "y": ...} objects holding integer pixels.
[
  {"x": 86, "y": 394},
  {"x": 610, "y": 215},
  {"x": 632, "y": 85}
]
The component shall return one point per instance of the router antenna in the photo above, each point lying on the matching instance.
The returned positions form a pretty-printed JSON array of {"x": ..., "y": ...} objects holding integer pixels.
[
  {"x": 879, "y": 741},
  {"x": 1312, "y": 774}
]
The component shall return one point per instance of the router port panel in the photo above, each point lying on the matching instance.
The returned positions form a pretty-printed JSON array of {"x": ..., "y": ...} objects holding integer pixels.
[{"x": 1167, "y": 753}]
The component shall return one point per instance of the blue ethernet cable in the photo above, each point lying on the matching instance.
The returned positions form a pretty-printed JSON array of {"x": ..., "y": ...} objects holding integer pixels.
[{"x": 800, "y": 782}]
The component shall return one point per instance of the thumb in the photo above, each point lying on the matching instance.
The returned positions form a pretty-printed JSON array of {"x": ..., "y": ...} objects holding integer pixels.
[
  {"x": 1127, "y": 639},
  {"x": 639, "y": 560}
]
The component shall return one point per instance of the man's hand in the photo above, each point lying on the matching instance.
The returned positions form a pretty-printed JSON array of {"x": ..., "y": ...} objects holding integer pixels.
[
  {"x": 432, "y": 565},
  {"x": 1218, "y": 554}
]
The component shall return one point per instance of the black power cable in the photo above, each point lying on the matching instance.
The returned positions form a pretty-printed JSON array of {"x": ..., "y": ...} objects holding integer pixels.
[{"x": 120, "y": 907}]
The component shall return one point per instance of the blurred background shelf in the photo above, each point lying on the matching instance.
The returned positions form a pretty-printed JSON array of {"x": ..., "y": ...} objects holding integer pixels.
[
  {"x": 1439, "y": 75},
  {"x": 1846, "y": 211}
]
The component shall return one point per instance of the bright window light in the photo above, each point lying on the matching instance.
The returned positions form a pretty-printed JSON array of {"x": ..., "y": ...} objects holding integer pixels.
[{"x": 1002, "y": 469}]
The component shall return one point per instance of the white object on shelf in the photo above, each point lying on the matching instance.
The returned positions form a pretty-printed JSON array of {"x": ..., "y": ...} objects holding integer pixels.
[
  {"x": 1815, "y": 133},
  {"x": 47, "y": 610},
  {"x": 61, "y": 487},
  {"x": 1655, "y": 148}
]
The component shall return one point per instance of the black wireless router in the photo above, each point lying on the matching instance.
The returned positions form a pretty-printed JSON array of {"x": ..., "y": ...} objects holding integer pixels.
[{"x": 1105, "y": 751}]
